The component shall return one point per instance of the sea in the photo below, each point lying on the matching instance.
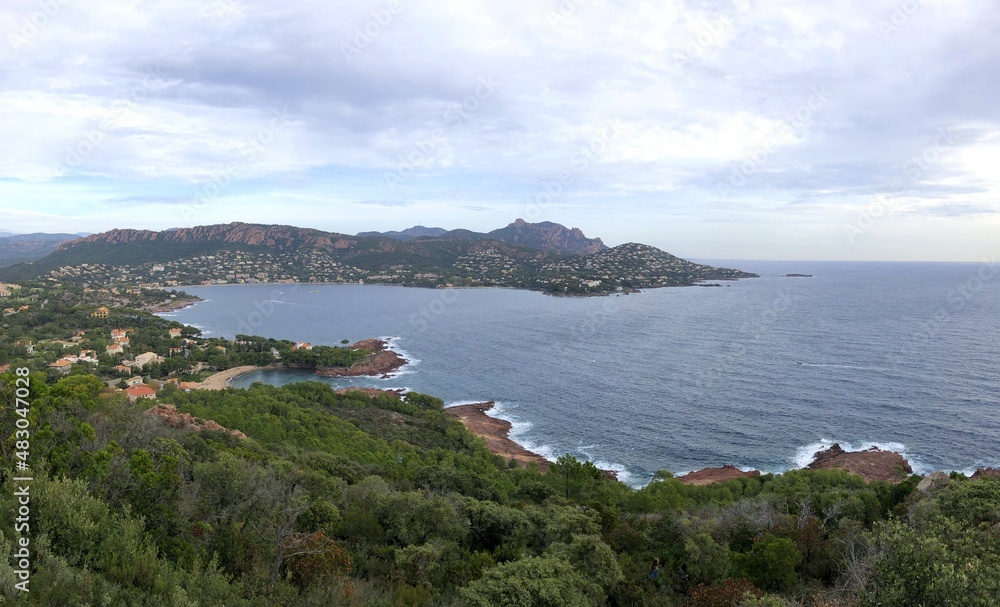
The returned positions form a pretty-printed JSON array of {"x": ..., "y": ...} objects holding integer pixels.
[{"x": 758, "y": 373}]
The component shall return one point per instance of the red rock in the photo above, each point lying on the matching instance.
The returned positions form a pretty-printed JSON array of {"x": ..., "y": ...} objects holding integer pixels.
[
  {"x": 871, "y": 464},
  {"x": 707, "y": 476},
  {"x": 168, "y": 415},
  {"x": 985, "y": 473}
]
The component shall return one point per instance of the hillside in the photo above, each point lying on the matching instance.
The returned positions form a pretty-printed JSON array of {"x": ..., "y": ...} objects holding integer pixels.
[
  {"x": 546, "y": 236},
  {"x": 249, "y": 253},
  {"x": 18, "y": 248},
  {"x": 407, "y": 234}
]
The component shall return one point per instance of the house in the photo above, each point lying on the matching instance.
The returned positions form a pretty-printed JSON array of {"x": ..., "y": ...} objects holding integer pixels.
[
  {"x": 176, "y": 351},
  {"x": 4, "y": 368},
  {"x": 89, "y": 356},
  {"x": 102, "y": 312},
  {"x": 146, "y": 358},
  {"x": 302, "y": 346},
  {"x": 175, "y": 332},
  {"x": 133, "y": 381},
  {"x": 62, "y": 366},
  {"x": 137, "y": 392},
  {"x": 123, "y": 370},
  {"x": 116, "y": 333},
  {"x": 187, "y": 386},
  {"x": 27, "y": 345},
  {"x": 114, "y": 349}
]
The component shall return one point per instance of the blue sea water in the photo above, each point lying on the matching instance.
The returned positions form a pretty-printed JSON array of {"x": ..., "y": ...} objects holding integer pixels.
[{"x": 759, "y": 373}]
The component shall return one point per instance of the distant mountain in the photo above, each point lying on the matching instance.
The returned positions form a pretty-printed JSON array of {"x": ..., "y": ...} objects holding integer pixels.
[
  {"x": 522, "y": 255},
  {"x": 407, "y": 234},
  {"x": 546, "y": 236},
  {"x": 18, "y": 248}
]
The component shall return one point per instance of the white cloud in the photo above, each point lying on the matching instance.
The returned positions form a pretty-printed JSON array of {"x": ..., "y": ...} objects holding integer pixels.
[{"x": 700, "y": 86}]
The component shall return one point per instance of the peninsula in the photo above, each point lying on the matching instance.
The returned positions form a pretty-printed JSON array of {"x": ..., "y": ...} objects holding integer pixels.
[{"x": 544, "y": 256}]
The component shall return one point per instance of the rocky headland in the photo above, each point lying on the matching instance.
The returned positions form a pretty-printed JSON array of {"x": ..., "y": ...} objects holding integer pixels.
[
  {"x": 707, "y": 476},
  {"x": 177, "y": 304},
  {"x": 986, "y": 473},
  {"x": 496, "y": 433},
  {"x": 381, "y": 361},
  {"x": 872, "y": 464}
]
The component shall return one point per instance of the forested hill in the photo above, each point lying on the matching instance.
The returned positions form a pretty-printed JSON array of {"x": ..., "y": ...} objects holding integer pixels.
[{"x": 544, "y": 256}]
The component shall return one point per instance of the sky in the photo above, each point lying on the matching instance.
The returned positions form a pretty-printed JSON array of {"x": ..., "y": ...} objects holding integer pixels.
[{"x": 735, "y": 129}]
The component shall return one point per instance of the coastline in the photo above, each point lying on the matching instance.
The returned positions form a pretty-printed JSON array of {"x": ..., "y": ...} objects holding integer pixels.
[
  {"x": 496, "y": 433},
  {"x": 382, "y": 361},
  {"x": 222, "y": 379},
  {"x": 176, "y": 305},
  {"x": 627, "y": 291}
]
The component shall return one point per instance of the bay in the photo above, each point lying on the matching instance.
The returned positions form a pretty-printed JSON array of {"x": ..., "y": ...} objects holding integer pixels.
[{"x": 759, "y": 373}]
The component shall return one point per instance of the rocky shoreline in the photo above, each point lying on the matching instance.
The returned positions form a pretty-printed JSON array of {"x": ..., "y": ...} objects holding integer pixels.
[
  {"x": 381, "y": 362},
  {"x": 496, "y": 433},
  {"x": 177, "y": 304},
  {"x": 872, "y": 464},
  {"x": 707, "y": 476}
]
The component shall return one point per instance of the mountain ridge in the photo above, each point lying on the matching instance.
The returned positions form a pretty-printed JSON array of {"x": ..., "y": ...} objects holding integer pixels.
[
  {"x": 545, "y": 235},
  {"x": 240, "y": 253}
]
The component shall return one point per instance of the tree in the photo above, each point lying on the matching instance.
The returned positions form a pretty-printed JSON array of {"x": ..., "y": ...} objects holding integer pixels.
[
  {"x": 533, "y": 582},
  {"x": 770, "y": 564}
]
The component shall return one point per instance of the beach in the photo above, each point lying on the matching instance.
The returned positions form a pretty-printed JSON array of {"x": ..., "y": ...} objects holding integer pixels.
[{"x": 220, "y": 381}]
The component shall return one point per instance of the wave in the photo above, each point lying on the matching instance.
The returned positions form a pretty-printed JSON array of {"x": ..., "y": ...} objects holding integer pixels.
[
  {"x": 837, "y": 366},
  {"x": 519, "y": 429},
  {"x": 621, "y": 471},
  {"x": 392, "y": 343},
  {"x": 806, "y": 454}
]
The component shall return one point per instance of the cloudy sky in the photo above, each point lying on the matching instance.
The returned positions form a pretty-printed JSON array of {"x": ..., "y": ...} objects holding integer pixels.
[{"x": 740, "y": 129}]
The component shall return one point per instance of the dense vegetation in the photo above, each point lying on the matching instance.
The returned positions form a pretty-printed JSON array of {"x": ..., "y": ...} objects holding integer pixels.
[
  {"x": 352, "y": 500},
  {"x": 347, "y": 499}
]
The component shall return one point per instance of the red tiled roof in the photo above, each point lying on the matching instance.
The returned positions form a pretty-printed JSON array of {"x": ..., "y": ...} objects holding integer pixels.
[{"x": 141, "y": 391}]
